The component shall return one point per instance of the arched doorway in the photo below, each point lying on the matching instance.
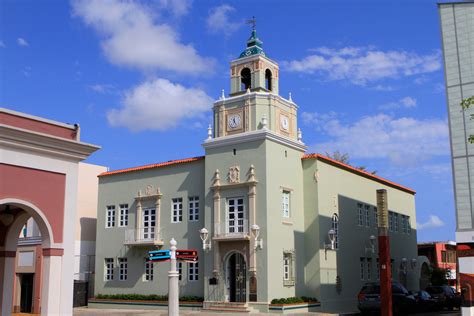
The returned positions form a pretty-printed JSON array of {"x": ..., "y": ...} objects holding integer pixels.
[
  {"x": 33, "y": 293},
  {"x": 424, "y": 276},
  {"x": 236, "y": 278}
]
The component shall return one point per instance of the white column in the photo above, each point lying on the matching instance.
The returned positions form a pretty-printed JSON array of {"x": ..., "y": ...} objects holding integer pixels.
[
  {"x": 173, "y": 289},
  {"x": 51, "y": 287},
  {"x": 6, "y": 298}
]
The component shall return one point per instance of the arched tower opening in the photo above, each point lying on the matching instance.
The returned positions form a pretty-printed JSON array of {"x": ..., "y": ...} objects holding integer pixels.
[
  {"x": 245, "y": 79},
  {"x": 268, "y": 80}
]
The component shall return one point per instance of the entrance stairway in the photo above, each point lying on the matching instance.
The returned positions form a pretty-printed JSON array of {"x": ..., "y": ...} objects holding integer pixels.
[{"x": 228, "y": 307}]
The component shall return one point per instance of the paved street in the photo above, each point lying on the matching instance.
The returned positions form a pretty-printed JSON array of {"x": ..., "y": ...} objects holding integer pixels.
[{"x": 122, "y": 312}]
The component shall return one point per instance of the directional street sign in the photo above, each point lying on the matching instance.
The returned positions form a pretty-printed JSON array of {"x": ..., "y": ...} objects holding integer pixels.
[
  {"x": 159, "y": 255},
  {"x": 185, "y": 253}
]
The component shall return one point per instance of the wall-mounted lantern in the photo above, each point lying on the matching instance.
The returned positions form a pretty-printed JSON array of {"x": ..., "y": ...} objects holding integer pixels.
[
  {"x": 204, "y": 234},
  {"x": 372, "y": 239},
  {"x": 256, "y": 232}
]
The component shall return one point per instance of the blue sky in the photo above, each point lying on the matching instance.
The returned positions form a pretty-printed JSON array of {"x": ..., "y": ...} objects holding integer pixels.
[{"x": 140, "y": 78}]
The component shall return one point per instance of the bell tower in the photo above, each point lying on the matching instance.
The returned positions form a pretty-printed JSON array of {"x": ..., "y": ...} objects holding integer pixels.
[
  {"x": 253, "y": 70},
  {"x": 254, "y": 104}
]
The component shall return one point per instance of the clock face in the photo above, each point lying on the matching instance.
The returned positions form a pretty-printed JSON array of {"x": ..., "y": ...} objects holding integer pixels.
[
  {"x": 234, "y": 121},
  {"x": 284, "y": 123}
]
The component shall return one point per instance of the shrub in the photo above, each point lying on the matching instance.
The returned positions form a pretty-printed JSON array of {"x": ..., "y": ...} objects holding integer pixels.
[
  {"x": 293, "y": 300},
  {"x": 148, "y": 297}
]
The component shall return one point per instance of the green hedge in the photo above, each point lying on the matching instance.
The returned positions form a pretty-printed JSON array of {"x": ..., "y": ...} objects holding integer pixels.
[
  {"x": 294, "y": 300},
  {"x": 150, "y": 297}
]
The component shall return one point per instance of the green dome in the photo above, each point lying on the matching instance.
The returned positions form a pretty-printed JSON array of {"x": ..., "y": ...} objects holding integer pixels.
[{"x": 254, "y": 46}]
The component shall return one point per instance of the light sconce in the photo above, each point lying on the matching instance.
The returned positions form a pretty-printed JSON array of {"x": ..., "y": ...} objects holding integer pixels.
[
  {"x": 413, "y": 263},
  {"x": 204, "y": 234},
  {"x": 404, "y": 265},
  {"x": 372, "y": 244},
  {"x": 256, "y": 232},
  {"x": 332, "y": 239}
]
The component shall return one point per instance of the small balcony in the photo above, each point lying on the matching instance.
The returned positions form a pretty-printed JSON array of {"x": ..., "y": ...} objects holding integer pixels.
[
  {"x": 232, "y": 229},
  {"x": 148, "y": 236}
]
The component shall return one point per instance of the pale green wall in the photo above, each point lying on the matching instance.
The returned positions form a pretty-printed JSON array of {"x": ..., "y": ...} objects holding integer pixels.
[{"x": 174, "y": 181}]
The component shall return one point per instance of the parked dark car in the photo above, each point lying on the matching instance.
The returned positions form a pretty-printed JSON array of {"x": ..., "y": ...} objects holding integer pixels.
[
  {"x": 369, "y": 299},
  {"x": 446, "y": 296},
  {"x": 425, "y": 302}
]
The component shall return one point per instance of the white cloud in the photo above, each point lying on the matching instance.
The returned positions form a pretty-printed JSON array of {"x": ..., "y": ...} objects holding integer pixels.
[
  {"x": 177, "y": 7},
  {"x": 159, "y": 105},
  {"x": 103, "y": 88},
  {"x": 363, "y": 65},
  {"x": 132, "y": 37},
  {"x": 2, "y": 44},
  {"x": 22, "y": 42},
  {"x": 218, "y": 20},
  {"x": 433, "y": 222},
  {"x": 380, "y": 87},
  {"x": 406, "y": 102},
  {"x": 403, "y": 141}
]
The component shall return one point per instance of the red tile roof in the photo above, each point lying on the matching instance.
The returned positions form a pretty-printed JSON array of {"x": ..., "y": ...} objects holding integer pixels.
[
  {"x": 156, "y": 165},
  {"x": 359, "y": 172},
  {"x": 307, "y": 156}
]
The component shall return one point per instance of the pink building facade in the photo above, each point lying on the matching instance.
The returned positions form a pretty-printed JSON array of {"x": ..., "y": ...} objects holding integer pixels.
[{"x": 39, "y": 175}]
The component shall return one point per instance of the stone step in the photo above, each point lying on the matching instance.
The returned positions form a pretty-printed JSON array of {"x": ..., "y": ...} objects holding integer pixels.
[{"x": 222, "y": 309}]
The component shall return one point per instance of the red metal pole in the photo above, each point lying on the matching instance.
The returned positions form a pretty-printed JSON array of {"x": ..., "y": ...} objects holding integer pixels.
[
  {"x": 385, "y": 275},
  {"x": 384, "y": 255}
]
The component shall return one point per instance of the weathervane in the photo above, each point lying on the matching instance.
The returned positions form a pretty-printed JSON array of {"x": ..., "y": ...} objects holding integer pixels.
[{"x": 252, "y": 21}]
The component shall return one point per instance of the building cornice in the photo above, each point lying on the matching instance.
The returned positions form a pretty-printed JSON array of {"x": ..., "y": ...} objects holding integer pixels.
[
  {"x": 243, "y": 60},
  {"x": 261, "y": 95},
  {"x": 19, "y": 138},
  {"x": 37, "y": 118},
  {"x": 254, "y": 136}
]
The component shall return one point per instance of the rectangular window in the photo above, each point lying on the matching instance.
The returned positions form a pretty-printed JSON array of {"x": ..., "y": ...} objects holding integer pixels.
[
  {"x": 149, "y": 223},
  {"x": 123, "y": 269},
  {"x": 378, "y": 269},
  {"x": 369, "y": 269},
  {"x": 443, "y": 256},
  {"x": 362, "y": 268},
  {"x": 286, "y": 267},
  {"x": 180, "y": 270},
  {"x": 123, "y": 222},
  {"x": 395, "y": 222},
  {"x": 109, "y": 269},
  {"x": 403, "y": 223},
  {"x": 235, "y": 215},
  {"x": 193, "y": 271},
  {"x": 110, "y": 220},
  {"x": 390, "y": 221},
  {"x": 177, "y": 210},
  {"x": 361, "y": 218},
  {"x": 148, "y": 275},
  {"x": 367, "y": 216},
  {"x": 286, "y": 203},
  {"x": 392, "y": 263},
  {"x": 408, "y": 225},
  {"x": 194, "y": 208},
  {"x": 376, "y": 217}
]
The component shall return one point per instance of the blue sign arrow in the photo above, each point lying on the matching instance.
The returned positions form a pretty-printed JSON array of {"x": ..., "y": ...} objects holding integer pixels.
[{"x": 154, "y": 253}]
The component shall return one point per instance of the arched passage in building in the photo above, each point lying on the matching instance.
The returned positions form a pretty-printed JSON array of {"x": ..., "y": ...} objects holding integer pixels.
[
  {"x": 39, "y": 296},
  {"x": 268, "y": 80}
]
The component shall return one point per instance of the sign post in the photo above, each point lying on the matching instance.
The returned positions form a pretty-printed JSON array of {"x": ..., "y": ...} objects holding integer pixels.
[
  {"x": 384, "y": 254},
  {"x": 173, "y": 275}
]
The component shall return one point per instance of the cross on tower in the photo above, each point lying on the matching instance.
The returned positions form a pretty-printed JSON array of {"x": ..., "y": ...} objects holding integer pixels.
[{"x": 252, "y": 21}]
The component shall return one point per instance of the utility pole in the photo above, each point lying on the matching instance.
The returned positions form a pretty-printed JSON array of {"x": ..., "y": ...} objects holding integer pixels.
[
  {"x": 384, "y": 254},
  {"x": 173, "y": 290}
]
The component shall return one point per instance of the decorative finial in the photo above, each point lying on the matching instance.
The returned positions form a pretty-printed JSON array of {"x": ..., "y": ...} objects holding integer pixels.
[
  {"x": 222, "y": 95},
  {"x": 290, "y": 99},
  {"x": 252, "y": 21},
  {"x": 300, "y": 135},
  {"x": 264, "y": 121},
  {"x": 209, "y": 132},
  {"x": 251, "y": 177},
  {"x": 248, "y": 91}
]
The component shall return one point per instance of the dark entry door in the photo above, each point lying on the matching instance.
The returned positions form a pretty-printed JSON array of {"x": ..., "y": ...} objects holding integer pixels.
[
  {"x": 26, "y": 298},
  {"x": 238, "y": 272}
]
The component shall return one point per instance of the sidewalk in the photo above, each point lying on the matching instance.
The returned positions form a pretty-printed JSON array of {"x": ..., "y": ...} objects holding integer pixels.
[{"x": 84, "y": 311}]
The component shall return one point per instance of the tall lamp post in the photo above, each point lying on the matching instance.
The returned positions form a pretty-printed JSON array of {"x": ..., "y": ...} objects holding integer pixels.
[{"x": 384, "y": 254}]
